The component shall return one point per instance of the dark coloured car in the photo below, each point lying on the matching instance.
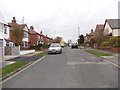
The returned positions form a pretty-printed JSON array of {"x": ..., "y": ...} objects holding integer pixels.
[{"x": 74, "y": 45}]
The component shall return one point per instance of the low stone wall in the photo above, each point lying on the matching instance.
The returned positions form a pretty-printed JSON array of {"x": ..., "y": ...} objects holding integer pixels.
[
  {"x": 111, "y": 49},
  {"x": 23, "y": 52}
]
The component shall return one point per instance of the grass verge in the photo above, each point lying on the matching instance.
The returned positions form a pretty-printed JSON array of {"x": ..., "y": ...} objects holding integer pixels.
[
  {"x": 10, "y": 68},
  {"x": 43, "y": 53},
  {"x": 98, "y": 53}
]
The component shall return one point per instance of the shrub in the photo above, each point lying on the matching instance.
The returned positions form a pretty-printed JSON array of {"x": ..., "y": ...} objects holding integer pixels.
[
  {"x": 114, "y": 41},
  {"x": 37, "y": 47},
  {"x": 105, "y": 43},
  {"x": 45, "y": 46}
]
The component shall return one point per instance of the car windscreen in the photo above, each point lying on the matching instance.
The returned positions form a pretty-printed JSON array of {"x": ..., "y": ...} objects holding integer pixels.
[{"x": 55, "y": 45}]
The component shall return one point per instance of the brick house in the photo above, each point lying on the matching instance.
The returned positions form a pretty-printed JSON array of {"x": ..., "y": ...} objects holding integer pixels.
[
  {"x": 89, "y": 36},
  {"x": 24, "y": 27},
  {"x": 45, "y": 39},
  {"x": 36, "y": 38}
]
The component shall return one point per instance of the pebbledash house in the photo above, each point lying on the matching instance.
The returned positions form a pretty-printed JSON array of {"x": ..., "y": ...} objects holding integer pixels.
[{"x": 4, "y": 35}]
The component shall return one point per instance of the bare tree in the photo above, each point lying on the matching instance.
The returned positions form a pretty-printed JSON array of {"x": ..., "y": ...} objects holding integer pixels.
[
  {"x": 57, "y": 39},
  {"x": 100, "y": 37},
  {"x": 16, "y": 35}
]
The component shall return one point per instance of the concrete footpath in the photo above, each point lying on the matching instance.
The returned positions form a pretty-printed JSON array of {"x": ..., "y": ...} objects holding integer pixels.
[
  {"x": 12, "y": 59},
  {"x": 114, "y": 59}
]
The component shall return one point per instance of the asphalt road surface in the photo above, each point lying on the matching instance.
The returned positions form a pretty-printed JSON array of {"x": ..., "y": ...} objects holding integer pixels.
[{"x": 74, "y": 68}]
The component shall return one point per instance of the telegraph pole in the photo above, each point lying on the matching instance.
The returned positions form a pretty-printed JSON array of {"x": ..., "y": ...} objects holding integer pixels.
[{"x": 78, "y": 31}]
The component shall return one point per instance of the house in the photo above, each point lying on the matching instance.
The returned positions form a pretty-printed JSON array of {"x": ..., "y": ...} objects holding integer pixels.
[
  {"x": 89, "y": 36},
  {"x": 4, "y": 36},
  {"x": 112, "y": 27},
  {"x": 34, "y": 37},
  {"x": 25, "y": 29},
  {"x": 44, "y": 39},
  {"x": 4, "y": 33}
]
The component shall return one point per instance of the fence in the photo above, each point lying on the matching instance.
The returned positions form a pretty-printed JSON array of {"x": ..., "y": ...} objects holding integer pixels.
[{"x": 12, "y": 50}]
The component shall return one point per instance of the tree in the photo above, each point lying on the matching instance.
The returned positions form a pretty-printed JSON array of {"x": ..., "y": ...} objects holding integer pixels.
[
  {"x": 100, "y": 37},
  {"x": 81, "y": 39},
  {"x": 17, "y": 35},
  {"x": 57, "y": 39}
]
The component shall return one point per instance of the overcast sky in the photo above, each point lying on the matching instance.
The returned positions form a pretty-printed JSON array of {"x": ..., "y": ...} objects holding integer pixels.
[{"x": 60, "y": 17}]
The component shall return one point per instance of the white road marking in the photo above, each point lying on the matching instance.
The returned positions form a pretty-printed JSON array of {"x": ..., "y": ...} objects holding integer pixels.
[
  {"x": 22, "y": 70},
  {"x": 112, "y": 63},
  {"x": 77, "y": 63}
]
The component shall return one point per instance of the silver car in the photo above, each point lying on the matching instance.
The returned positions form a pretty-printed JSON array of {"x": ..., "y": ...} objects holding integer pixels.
[{"x": 55, "y": 48}]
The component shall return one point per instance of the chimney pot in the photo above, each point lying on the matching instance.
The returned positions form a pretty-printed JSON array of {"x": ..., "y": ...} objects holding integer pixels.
[
  {"x": 31, "y": 27},
  {"x": 41, "y": 32},
  {"x": 14, "y": 20}
]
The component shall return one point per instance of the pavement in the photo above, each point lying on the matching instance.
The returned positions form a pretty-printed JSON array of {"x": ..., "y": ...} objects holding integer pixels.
[
  {"x": 74, "y": 68},
  {"x": 10, "y": 59},
  {"x": 114, "y": 59}
]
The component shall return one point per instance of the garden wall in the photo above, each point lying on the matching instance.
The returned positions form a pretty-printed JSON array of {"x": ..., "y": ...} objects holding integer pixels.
[{"x": 111, "y": 49}]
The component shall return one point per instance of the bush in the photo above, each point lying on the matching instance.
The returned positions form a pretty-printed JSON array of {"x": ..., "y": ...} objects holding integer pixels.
[
  {"x": 37, "y": 47},
  {"x": 45, "y": 46},
  {"x": 114, "y": 41},
  {"x": 105, "y": 43}
]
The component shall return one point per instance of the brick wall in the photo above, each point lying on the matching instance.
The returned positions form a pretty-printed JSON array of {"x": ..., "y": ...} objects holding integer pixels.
[{"x": 111, "y": 49}]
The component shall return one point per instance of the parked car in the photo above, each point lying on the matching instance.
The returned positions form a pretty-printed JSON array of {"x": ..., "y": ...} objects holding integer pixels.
[
  {"x": 55, "y": 48},
  {"x": 62, "y": 45},
  {"x": 74, "y": 45}
]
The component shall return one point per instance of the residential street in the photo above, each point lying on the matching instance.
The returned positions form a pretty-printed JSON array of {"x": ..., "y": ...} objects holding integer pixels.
[{"x": 74, "y": 68}]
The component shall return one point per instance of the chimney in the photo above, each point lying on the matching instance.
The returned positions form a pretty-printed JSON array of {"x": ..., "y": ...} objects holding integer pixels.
[
  {"x": 91, "y": 30},
  {"x": 41, "y": 32},
  {"x": 31, "y": 27},
  {"x": 14, "y": 20}
]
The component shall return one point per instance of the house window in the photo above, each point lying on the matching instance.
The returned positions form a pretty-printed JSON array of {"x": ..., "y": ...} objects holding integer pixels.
[
  {"x": 11, "y": 44},
  {"x": 5, "y": 29},
  {"x": 25, "y": 44},
  {"x": 25, "y": 34},
  {"x": 38, "y": 37},
  {"x": 38, "y": 42},
  {"x": 7, "y": 43},
  {"x": 1, "y": 43}
]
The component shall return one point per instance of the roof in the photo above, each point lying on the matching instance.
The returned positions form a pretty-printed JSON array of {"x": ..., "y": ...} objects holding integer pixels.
[
  {"x": 9, "y": 40},
  {"x": 114, "y": 23},
  {"x": 99, "y": 27},
  {"x": 31, "y": 31}
]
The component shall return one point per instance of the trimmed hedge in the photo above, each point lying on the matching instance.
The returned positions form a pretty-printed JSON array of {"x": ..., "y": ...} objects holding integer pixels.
[
  {"x": 105, "y": 44},
  {"x": 37, "y": 47}
]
